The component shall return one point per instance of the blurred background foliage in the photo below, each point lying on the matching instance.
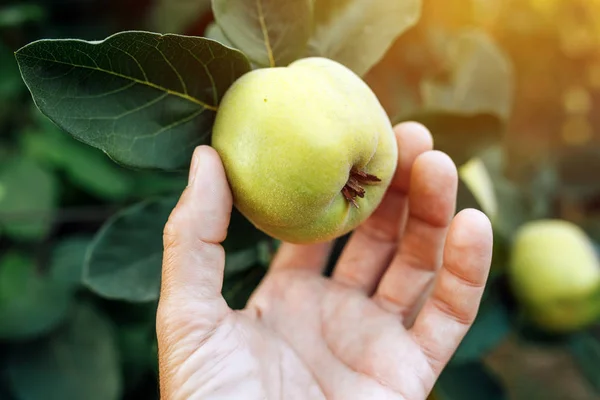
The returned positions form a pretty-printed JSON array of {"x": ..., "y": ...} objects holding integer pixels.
[{"x": 509, "y": 88}]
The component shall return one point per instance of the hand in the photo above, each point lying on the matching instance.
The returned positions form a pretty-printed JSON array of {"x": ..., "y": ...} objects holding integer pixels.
[{"x": 305, "y": 336}]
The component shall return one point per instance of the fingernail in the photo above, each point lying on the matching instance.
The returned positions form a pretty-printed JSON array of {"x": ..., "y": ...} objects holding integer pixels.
[{"x": 194, "y": 167}]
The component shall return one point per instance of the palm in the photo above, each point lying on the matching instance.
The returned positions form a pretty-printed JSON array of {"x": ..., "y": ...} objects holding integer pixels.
[
  {"x": 313, "y": 338},
  {"x": 305, "y": 336}
]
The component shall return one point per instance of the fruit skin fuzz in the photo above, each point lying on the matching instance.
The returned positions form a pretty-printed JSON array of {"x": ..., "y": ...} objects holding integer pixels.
[
  {"x": 353, "y": 187},
  {"x": 308, "y": 150}
]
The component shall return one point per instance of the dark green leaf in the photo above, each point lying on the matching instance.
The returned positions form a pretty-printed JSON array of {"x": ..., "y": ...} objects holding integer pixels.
[
  {"x": 585, "y": 347},
  {"x": 30, "y": 305},
  {"x": 27, "y": 199},
  {"x": 460, "y": 136},
  {"x": 85, "y": 166},
  {"x": 358, "y": 33},
  {"x": 137, "y": 355},
  {"x": 68, "y": 257},
  {"x": 470, "y": 381},
  {"x": 267, "y": 31},
  {"x": 242, "y": 234},
  {"x": 491, "y": 326},
  {"x": 176, "y": 16},
  {"x": 80, "y": 361},
  {"x": 152, "y": 183},
  {"x": 124, "y": 260},
  {"x": 237, "y": 287},
  {"x": 18, "y": 14},
  {"x": 480, "y": 79},
  {"x": 145, "y": 99},
  {"x": 10, "y": 80}
]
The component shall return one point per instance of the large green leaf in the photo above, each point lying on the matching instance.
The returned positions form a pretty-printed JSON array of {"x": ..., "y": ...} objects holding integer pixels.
[
  {"x": 145, "y": 99},
  {"x": 585, "y": 347},
  {"x": 270, "y": 32},
  {"x": 80, "y": 361},
  {"x": 27, "y": 199},
  {"x": 358, "y": 33},
  {"x": 124, "y": 260},
  {"x": 466, "y": 108},
  {"x": 471, "y": 381},
  {"x": 30, "y": 304},
  {"x": 480, "y": 81}
]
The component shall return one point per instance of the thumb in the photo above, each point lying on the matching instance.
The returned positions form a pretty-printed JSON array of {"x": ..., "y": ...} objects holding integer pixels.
[{"x": 193, "y": 259}]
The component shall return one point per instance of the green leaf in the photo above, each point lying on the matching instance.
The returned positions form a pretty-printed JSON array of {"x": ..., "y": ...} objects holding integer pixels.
[
  {"x": 27, "y": 199},
  {"x": 152, "y": 183},
  {"x": 125, "y": 258},
  {"x": 81, "y": 361},
  {"x": 135, "y": 345},
  {"x": 491, "y": 326},
  {"x": 214, "y": 31},
  {"x": 467, "y": 107},
  {"x": 176, "y": 15},
  {"x": 238, "y": 287},
  {"x": 470, "y": 381},
  {"x": 68, "y": 257},
  {"x": 358, "y": 33},
  {"x": 19, "y": 14},
  {"x": 30, "y": 304},
  {"x": 145, "y": 99},
  {"x": 85, "y": 166},
  {"x": 461, "y": 137},
  {"x": 585, "y": 348},
  {"x": 267, "y": 31},
  {"x": 480, "y": 79},
  {"x": 10, "y": 80}
]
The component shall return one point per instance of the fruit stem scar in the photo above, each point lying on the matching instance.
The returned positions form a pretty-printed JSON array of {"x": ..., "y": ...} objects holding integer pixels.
[{"x": 353, "y": 186}]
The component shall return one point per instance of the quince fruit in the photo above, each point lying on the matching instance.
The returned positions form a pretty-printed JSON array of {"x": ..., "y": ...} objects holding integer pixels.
[
  {"x": 308, "y": 150},
  {"x": 555, "y": 272}
]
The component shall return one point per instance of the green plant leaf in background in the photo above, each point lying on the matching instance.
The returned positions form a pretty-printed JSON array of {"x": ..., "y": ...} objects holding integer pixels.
[
  {"x": 28, "y": 196},
  {"x": 358, "y": 33},
  {"x": 214, "y": 31},
  {"x": 467, "y": 110},
  {"x": 470, "y": 381},
  {"x": 176, "y": 16},
  {"x": 124, "y": 260},
  {"x": 30, "y": 304},
  {"x": 585, "y": 348},
  {"x": 480, "y": 79},
  {"x": 68, "y": 257},
  {"x": 490, "y": 328},
  {"x": 79, "y": 361},
  {"x": 10, "y": 79},
  {"x": 269, "y": 33},
  {"x": 143, "y": 98},
  {"x": 578, "y": 172},
  {"x": 85, "y": 166},
  {"x": 19, "y": 14}
]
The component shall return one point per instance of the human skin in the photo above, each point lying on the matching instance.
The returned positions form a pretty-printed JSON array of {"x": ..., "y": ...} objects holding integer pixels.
[{"x": 402, "y": 296}]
